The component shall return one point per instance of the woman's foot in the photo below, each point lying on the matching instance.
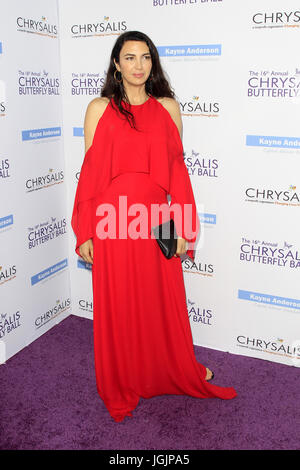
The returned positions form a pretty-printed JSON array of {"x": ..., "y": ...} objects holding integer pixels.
[{"x": 209, "y": 374}]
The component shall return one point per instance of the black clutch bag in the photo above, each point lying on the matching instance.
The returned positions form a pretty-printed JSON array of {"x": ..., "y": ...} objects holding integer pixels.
[{"x": 166, "y": 238}]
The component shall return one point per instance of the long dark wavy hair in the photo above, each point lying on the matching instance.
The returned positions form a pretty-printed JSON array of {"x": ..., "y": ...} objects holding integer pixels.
[{"x": 156, "y": 85}]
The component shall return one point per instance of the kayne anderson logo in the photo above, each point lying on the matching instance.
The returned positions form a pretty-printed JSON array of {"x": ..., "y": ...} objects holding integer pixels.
[
  {"x": 37, "y": 134},
  {"x": 6, "y": 221},
  {"x": 78, "y": 132},
  {"x": 53, "y": 312},
  {"x": 106, "y": 27},
  {"x": 273, "y": 141},
  {"x": 84, "y": 265},
  {"x": 196, "y": 50},
  {"x": 207, "y": 219},
  {"x": 195, "y": 107},
  {"x": 280, "y": 197},
  {"x": 277, "y": 346},
  {"x": 198, "y": 165},
  {"x": 276, "y": 19},
  {"x": 44, "y": 181},
  {"x": 41, "y": 26},
  {"x": 37, "y": 83},
  {"x": 270, "y": 300},
  {"x": 87, "y": 83},
  {"x": 48, "y": 272},
  {"x": 271, "y": 253},
  {"x": 274, "y": 84},
  {"x": 199, "y": 315}
]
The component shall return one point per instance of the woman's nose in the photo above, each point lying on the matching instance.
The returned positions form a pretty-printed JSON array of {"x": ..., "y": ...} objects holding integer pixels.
[{"x": 138, "y": 64}]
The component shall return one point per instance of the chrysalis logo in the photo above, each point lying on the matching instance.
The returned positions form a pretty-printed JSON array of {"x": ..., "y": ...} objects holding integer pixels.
[
  {"x": 195, "y": 107},
  {"x": 274, "y": 196},
  {"x": 40, "y": 27},
  {"x": 86, "y": 83},
  {"x": 8, "y": 323},
  {"x": 277, "y": 346},
  {"x": 7, "y": 273},
  {"x": 45, "y": 231},
  {"x": 54, "y": 311},
  {"x": 4, "y": 168},
  {"x": 199, "y": 315},
  {"x": 296, "y": 352},
  {"x": 198, "y": 165},
  {"x": 37, "y": 83},
  {"x": 278, "y": 18},
  {"x": 44, "y": 181},
  {"x": 103, "y": 28}
]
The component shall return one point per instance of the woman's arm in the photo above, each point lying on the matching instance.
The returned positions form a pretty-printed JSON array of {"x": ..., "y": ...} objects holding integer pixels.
[
  {"x": 94, "y": 111},
  {"x": 173, "y": 108}
]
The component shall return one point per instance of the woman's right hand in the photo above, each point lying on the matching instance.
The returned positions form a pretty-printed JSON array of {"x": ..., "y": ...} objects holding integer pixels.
[{"x": 86, "y": 251}]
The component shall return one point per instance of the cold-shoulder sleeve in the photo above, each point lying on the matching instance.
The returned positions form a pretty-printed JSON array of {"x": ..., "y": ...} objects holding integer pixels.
[
  {"x": 82, "y": 216},
  {"x": 95, "y": 176},
  {"x": 187, "y": 223}
]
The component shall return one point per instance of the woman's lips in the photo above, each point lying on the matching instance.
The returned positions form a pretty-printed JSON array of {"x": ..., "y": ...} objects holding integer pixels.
[{"x": 138, "y": 75}]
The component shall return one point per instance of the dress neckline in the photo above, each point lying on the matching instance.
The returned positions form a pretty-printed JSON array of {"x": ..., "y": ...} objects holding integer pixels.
[{"x": 137, "y": 105}]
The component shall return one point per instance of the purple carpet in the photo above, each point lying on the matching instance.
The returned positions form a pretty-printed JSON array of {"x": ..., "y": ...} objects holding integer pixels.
[{"x": 49, "y": 401}]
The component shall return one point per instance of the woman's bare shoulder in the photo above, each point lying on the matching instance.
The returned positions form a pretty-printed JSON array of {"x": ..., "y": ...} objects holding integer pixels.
[
  {"x": 170, "y": 104},
  {"x": 97, "y": 106},
  {"x": 173, "y": 108},
  {"x": 94, "y": 112}
]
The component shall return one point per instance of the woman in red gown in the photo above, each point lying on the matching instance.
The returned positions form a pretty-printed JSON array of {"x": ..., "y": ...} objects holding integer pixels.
[{"x": 143, "y": 344}]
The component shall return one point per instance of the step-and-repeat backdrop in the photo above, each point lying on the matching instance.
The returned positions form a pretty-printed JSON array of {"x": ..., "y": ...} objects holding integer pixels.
[
  {"x": 34, "y": 272},
  {"x": 235, "y": 70}
]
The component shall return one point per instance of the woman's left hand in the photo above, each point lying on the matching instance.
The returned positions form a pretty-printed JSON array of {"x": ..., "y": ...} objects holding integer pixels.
[{"x": 182, "y": 245}]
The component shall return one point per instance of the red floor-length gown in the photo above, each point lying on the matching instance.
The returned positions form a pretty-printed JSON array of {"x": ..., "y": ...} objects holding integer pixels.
[{"x": 143, "y": 344}]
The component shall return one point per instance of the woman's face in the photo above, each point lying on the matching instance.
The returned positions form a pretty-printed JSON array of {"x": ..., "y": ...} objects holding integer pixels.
[{"x": 134, "y": 62}]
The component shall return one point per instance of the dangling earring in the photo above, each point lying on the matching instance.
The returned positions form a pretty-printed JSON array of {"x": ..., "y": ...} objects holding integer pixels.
[{"x": 118, "y": 81}]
